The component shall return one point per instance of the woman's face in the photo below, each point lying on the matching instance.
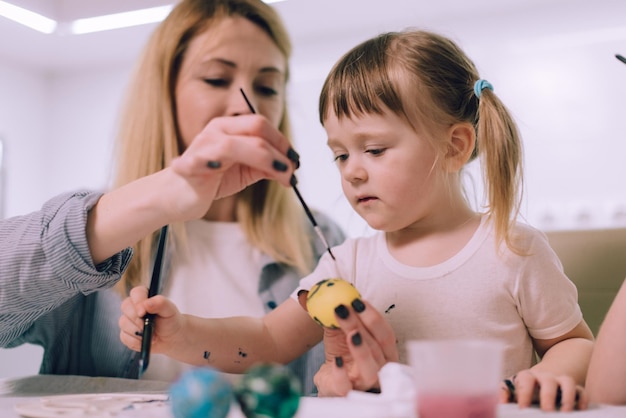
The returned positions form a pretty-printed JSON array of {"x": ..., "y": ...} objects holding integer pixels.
[{"x": 232, "y": 54}]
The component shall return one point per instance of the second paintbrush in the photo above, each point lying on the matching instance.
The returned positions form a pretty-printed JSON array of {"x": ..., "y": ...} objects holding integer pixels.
[{"x": 294, "y": 181}]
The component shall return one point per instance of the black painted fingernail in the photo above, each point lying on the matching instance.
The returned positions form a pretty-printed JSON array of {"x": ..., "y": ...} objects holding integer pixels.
[
  {"x": 342, "y": 312},
  {"x": 294, "y": 156},
  {"x": 293, "y": 180},
  {"x": 214, "y": 164},
  {"x": 279, "y": 166},
  {"x": 137, "y": 333},
  {"x": 357, "y": 340},
  {"x": 358, "y": 305},
  {"x": 339, "y": 361}
]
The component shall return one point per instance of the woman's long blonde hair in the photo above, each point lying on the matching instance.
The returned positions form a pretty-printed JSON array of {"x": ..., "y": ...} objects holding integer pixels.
[
  {"x": 428, "y": 80},
  {"x": 148, "y": 136}
]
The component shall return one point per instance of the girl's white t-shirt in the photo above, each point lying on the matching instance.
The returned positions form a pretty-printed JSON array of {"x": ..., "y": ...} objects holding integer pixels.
[
  {"x": 217, "y": 276},
  {"x": 484, "y": 291}
]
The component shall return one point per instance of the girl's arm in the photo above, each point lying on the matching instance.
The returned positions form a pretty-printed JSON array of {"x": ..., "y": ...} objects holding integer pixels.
[
  {"x": 607, "y": 370},
  {"x": 229, "y": 344},
  {"x": 559, "y": 375}
]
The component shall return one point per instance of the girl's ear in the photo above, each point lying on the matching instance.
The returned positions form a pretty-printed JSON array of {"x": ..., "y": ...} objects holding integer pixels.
[{"x": 461, "y": 143}]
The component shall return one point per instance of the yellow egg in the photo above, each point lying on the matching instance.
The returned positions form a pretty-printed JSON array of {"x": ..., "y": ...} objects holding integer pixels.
[{"x": 325, "y": 296}]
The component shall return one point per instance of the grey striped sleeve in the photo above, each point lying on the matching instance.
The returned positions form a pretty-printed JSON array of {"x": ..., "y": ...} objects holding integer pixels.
[{"x": 45, "y": 261}]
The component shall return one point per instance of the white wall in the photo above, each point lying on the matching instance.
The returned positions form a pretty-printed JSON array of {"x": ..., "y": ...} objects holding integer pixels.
[{"x": 568, "y": 97}]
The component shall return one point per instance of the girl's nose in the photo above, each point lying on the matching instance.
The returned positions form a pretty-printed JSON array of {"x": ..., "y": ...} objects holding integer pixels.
[{"x": 352, "y": 171}]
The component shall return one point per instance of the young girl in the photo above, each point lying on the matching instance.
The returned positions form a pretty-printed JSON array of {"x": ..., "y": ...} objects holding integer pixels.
[{"x": 404, "y": 113}]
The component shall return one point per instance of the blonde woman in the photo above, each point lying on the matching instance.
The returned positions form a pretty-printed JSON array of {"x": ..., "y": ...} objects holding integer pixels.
[{"x": 238, "y": 253}]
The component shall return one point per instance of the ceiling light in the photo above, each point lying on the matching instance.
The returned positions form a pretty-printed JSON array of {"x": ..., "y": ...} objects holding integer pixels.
[
  {"x": 88, "y": 25},
  {"x": 27, "y": 18},
  {"x": 120, "y": 20}
]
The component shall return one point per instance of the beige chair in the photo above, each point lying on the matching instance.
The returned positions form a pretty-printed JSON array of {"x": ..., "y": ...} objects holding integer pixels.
[{"x": 595, "y": 260}]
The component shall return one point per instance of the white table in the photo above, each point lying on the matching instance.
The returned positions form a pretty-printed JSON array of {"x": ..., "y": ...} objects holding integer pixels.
[{"x": 31, "y": 390}]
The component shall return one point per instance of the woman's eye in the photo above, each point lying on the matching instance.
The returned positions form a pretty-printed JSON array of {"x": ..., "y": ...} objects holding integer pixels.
[
  {"x": 216, "y": 82},
  {"x": 266, "y": 91}
]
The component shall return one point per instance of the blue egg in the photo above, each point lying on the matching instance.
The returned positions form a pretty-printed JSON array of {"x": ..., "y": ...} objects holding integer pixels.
[
  {"x": 201, "y": 393},
  {"x": 268, "y": 391}
]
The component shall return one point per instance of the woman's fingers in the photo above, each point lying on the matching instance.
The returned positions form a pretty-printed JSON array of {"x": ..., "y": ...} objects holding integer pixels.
[
  {"x": 378, "y": 328},
  {"x": 370, "y": 340},
  {"x": 249, "y": 141},
  {"x": 332, "y": 379}
]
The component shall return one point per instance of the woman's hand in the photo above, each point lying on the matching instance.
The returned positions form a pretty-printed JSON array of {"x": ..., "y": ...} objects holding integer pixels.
[
  {"x": 356, "y": 352},
  {"x": 546, "y": 390},
  {"x": 169, "y": 322},
  {"x": 230, "y": 154}
]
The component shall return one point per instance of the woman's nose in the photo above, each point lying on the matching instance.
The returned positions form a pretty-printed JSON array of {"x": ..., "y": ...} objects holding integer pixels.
[{"x": 241, "y": 102}]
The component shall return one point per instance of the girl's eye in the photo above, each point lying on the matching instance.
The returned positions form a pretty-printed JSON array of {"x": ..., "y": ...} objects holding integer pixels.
[
  {"x": 376, "y": 151},
  {"x": 216, "y": 82},
  {"x": 341, "y": 157}
]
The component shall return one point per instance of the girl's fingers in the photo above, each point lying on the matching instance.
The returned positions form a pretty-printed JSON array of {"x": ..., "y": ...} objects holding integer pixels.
[
  {"x": 548, "y": 390},
  {"x": 525, "y": 384},
  {"x": 566, "y": 394}
]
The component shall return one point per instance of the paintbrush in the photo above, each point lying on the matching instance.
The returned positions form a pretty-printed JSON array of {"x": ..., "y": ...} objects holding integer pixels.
[
  {"x": 293, "y": 182},
  {"x": 148, "y": 320},
  {"x": 621, "y": 58}
]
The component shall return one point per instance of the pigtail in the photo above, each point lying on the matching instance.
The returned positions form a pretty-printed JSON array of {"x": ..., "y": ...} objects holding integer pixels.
[{"x": 500, "y": 153}]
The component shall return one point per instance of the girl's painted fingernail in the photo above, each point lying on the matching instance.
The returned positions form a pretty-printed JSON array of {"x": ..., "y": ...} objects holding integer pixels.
[
  {"x": 357, "y": 340},
  {"x": 358, "y": 305},
  {"x": 294, "y": 156},
  {"x": 213, "y": 164},
  {"x": 342, "y": 312},
  {"x": 137, "y": 333},
  {"x": 279, "y": 166},
  {"x": 339, "y": 362},
  {"x": 293, "y": 180}
]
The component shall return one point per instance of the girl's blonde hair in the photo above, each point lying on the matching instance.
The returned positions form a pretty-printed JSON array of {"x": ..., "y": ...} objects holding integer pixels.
[
  {"x": 148, "y": 139},
  {"x": 428, "y": 80}
]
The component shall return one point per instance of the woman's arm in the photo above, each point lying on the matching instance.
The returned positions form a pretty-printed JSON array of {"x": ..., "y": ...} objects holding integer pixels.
[
  {"x": 247, "y": 149},
  {"x": 606, "y": 380}
]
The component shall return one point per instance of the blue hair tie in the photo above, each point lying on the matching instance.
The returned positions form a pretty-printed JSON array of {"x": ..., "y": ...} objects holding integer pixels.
[{"x": 481, "y": 84}]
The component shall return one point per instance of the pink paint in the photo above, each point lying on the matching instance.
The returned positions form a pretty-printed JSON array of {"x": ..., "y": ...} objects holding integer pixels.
[{"x": 436, "y": 405}]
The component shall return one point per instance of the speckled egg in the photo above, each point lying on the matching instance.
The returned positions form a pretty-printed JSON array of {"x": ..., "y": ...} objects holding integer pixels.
[
  {"x": 201, "y": 393},
  {"x": 325, "y": 296},
  {"x": 268, "y": 391}
]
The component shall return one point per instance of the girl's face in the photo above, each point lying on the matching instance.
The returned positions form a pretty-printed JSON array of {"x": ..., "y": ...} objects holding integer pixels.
[
  {"x": 388, "y": 171},
  {"x": 232, "y": 54}
]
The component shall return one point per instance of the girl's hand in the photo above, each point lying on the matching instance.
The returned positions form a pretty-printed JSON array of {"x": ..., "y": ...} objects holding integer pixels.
[
  {"x": 169, "y": 322},
  {"x": 227, "y": 156},
  {"x": 356, "y": 352},
  {"x": 546, "y": 390}
]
